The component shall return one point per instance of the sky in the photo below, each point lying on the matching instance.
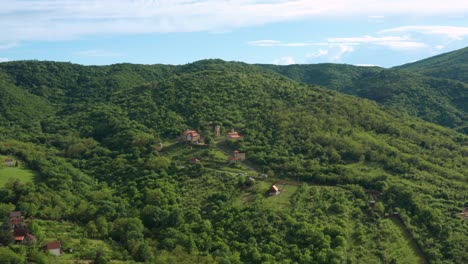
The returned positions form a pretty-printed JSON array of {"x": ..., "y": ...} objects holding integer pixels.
[{"x": 360, "y": 32}]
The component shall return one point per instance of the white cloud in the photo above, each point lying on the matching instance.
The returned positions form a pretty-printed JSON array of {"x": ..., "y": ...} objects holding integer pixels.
[
  {"x": 317, "y": 54},
  {"x": 4, "y": 60},
  {"x": 366, "y": 65},
  {"x": 342, "y": 50},
  {"x": 333, "y": 53},
  {"x": 284, "y": 61},
  {"x": 439, "y": 47},
  {"x": 264, "y": 43},
  {"x": 98, "y": 53},
  {"x": 70, "y": 19},
  {"x": 277, "y": 43},
  {"x": 452, "y": 32},
  {"x": 394, "y": 42}
]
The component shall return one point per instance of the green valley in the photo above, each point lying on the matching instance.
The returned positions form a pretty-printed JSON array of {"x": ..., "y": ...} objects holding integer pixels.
[{"x": 130, "y": 167}]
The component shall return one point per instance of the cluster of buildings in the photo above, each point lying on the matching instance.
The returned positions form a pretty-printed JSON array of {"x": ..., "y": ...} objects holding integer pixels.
[
  {"x": 193, "y": 137},
  {"x": 21, "y": 234}
]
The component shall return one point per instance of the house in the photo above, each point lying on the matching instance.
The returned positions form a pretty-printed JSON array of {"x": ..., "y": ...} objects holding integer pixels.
[
  {"x": 217, "y": 131},
  {"x": 194, "y": 160},
  {"x": 233, "y": 135},
  {"x": 237, "y": 156},
  {"x": 9, "y": 162},
  {"x": 16, "y": 218},
  {"x": 54, "y": 248},
  {"x": 274, "y": 190},
  {"x": 19, "y": 234},
  {"x": 190, "y": 136}
]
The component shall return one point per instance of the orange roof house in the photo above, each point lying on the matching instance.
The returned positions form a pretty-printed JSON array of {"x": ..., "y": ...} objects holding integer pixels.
[
  {"x": 190, "y": 136},
  {"x": 20, "y": 234},
  {"x": 237, "y": 156},
  {"x": 16, "y": 218},
  {"x": 54, "y": 248},
  {"x": 233, "y": 135}
]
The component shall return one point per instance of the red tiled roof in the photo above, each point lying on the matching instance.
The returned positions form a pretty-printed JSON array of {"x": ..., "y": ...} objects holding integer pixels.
[
  {"x": 15, "y": 214},
  {"x": 20, "y": 232},
  {"x": 53, "y": 245},
  {"x": 233, "y": 135},
  {"x": 19, "y": 238},
  {"x": 186, "y": 132}
]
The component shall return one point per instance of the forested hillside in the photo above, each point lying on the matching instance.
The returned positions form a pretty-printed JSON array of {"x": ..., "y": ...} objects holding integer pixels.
[
  {"x": 357, "y": 182},
  {"x": 440, "y": 101},
  {"x": 451, "y": 65}
]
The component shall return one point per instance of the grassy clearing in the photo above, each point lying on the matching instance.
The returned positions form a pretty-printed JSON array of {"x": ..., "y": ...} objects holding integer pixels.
[
  {"x": 72, "y": 237},
  {"x": 259, "y": 193},
  {"x": 8, "y": 174}
]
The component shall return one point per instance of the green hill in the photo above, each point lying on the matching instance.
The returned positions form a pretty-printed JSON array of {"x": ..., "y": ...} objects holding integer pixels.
[
  {"x": 330, "y": 154},
  {"x": 435, "y": 100},
  {"x": 451, "y": 65}
]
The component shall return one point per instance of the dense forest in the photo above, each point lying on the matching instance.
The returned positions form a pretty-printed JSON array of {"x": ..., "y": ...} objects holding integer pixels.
[
  {"x": 434, "y": 97},
  {"x": 354, "y": 181},
  {"x": 451, "y": 65}
]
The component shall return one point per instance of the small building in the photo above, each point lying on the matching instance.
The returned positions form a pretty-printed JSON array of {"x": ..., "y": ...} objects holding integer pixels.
[
  {"x": 9, "y": 162},
  {"x": 19, "y": 234},
  {"x": 217, "y": 131},
  {"x": 22, "y": 236},
  {"x": 190, "y": 136},
  {"x": 194, "y": 160},
  {"x": 54, "y": 248},
  {"x": 233, "y": 135},
  {"x": 274, "y": 190},
  {"x": 16, "y": 218},
  {"x": 237, "y": 156}
]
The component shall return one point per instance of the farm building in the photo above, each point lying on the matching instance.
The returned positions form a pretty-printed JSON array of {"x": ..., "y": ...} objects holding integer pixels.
[
  {"x": 191, "y": 136},
  {"x": 233, "y": 135},
  {"x": 54, "y": 248}
]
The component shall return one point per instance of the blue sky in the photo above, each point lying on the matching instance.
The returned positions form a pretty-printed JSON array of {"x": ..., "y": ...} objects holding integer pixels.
[{"x": 360, "y": 32}]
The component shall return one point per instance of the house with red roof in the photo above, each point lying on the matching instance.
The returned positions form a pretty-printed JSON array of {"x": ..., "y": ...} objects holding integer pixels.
[
  {"x": 237, "y": 156},
  {"x": 233, "y": 135},
  {"x": 16, "y": 218},
  {"x": 54, "y": 248},
  {"x": 191, "y": 136}
]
